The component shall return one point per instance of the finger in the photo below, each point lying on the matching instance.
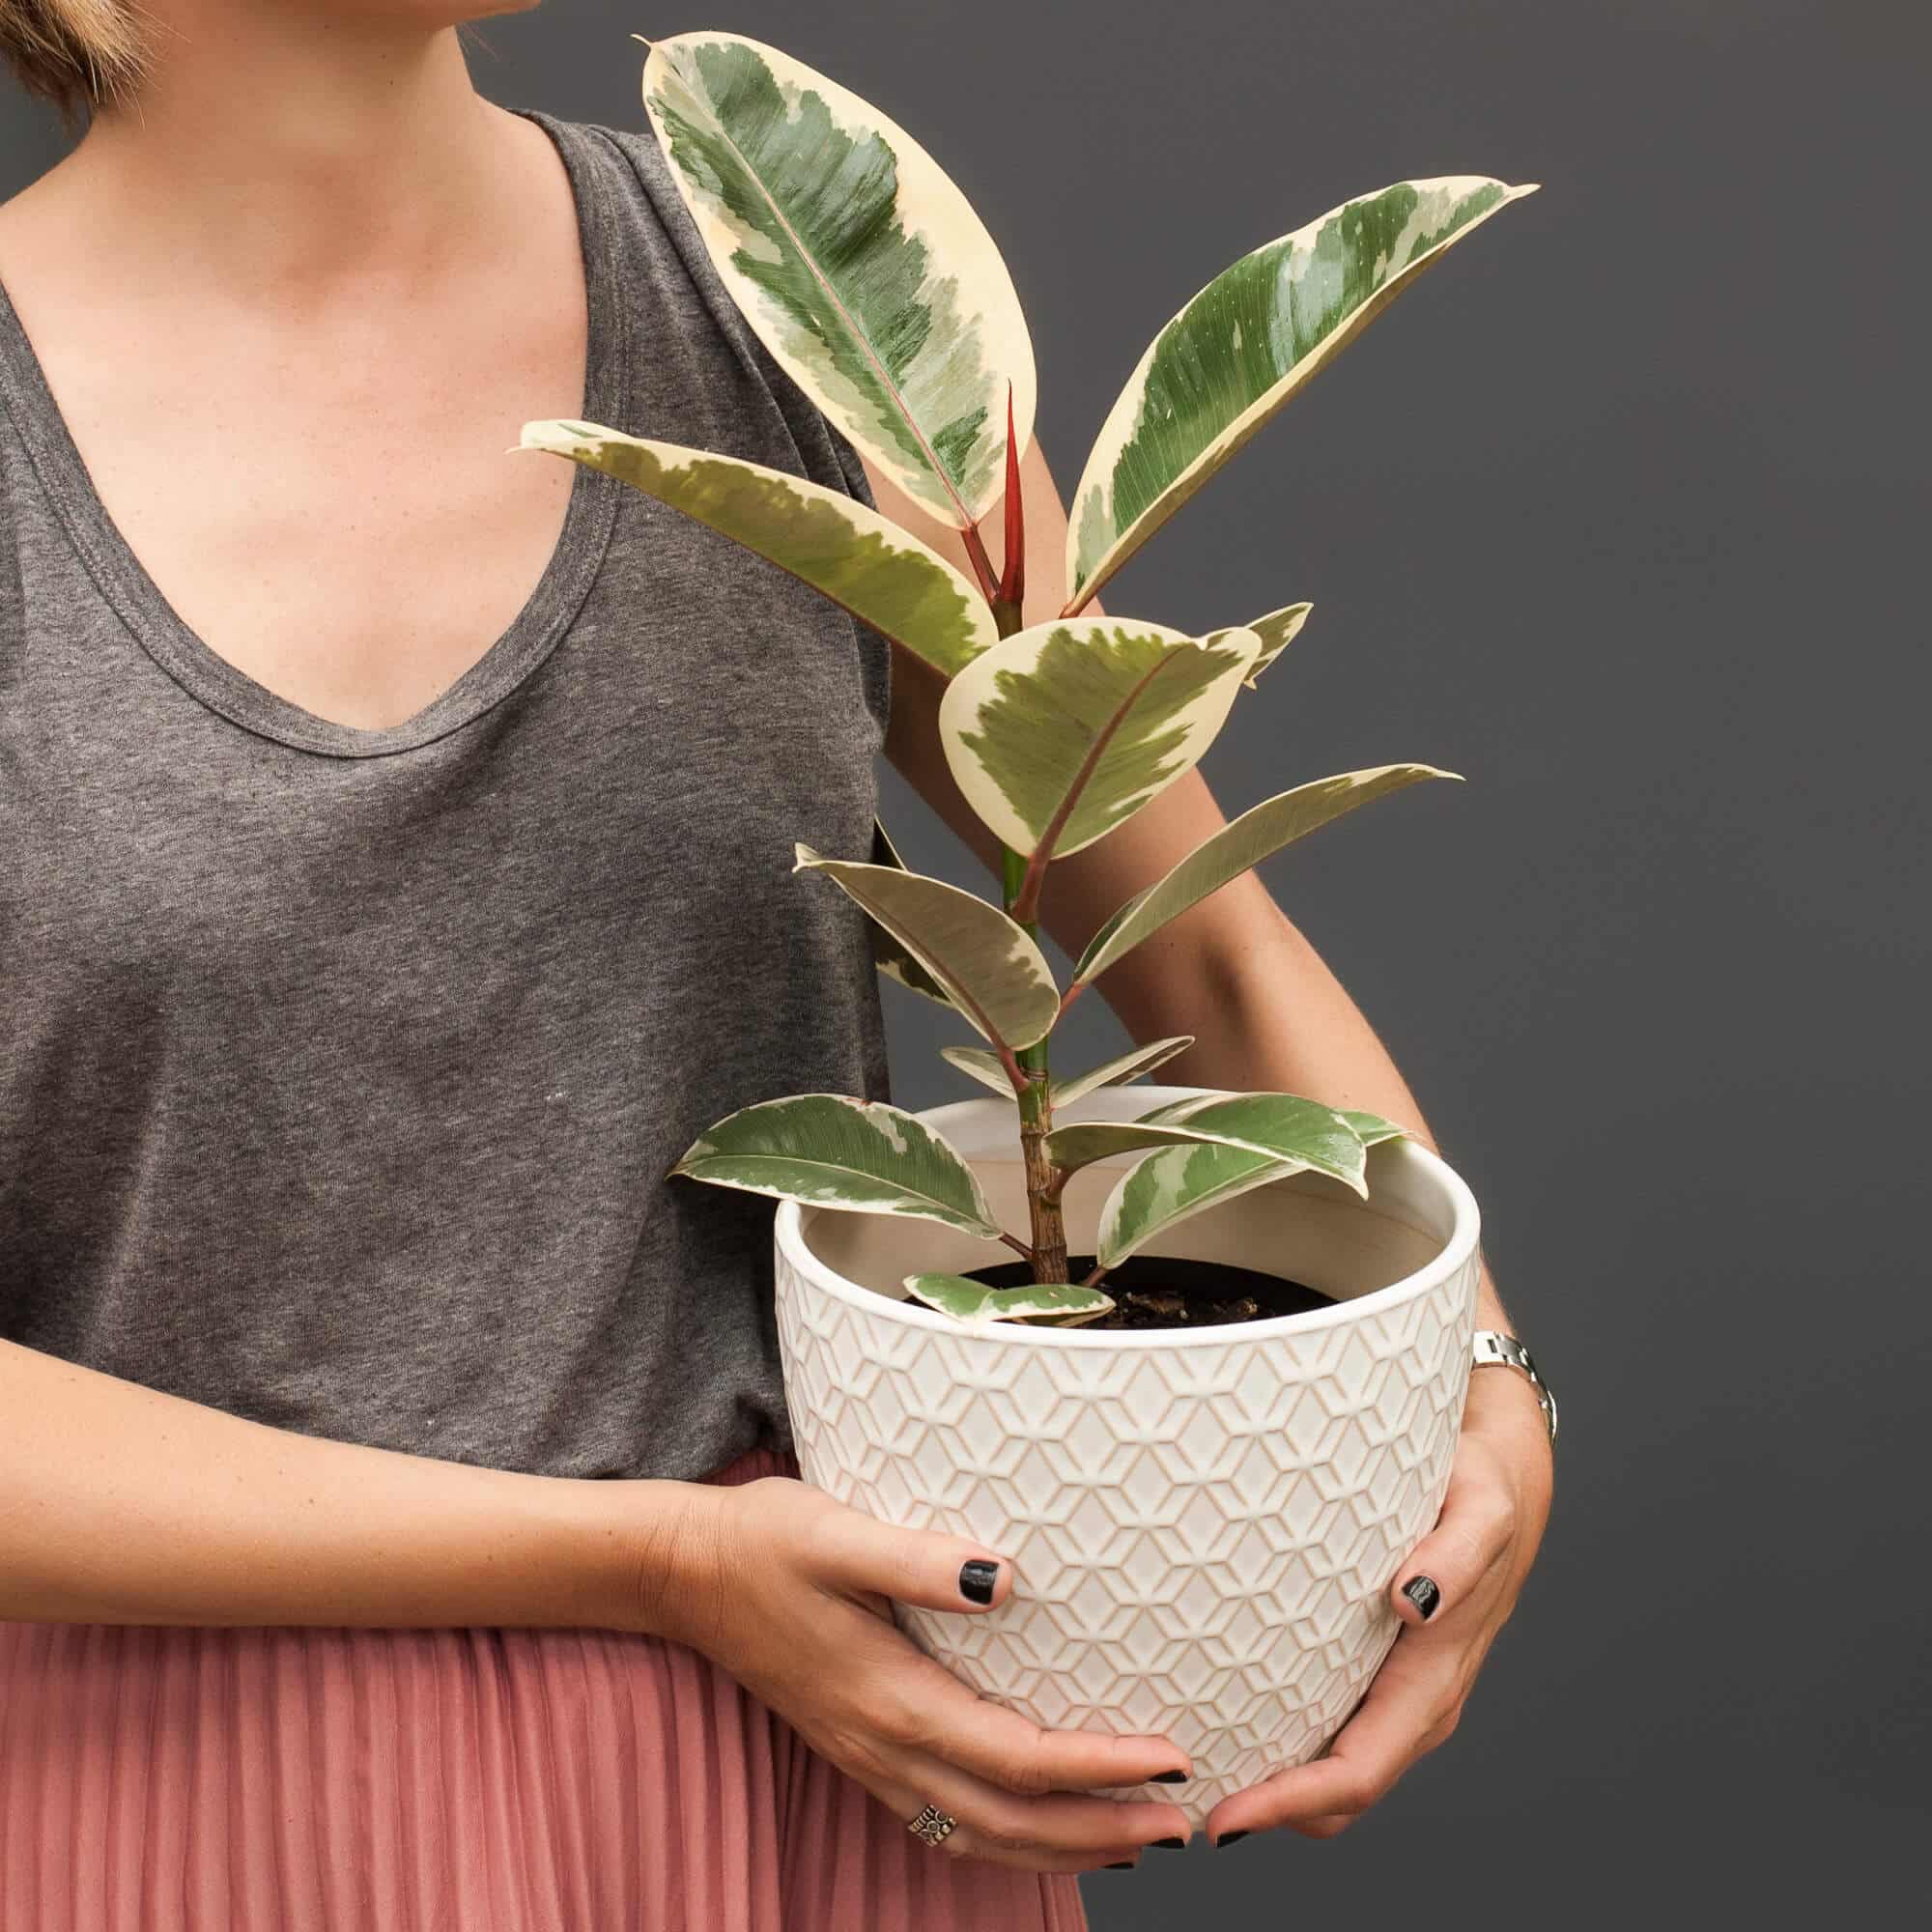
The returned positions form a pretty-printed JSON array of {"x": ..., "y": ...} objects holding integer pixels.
[
  {"x": 906, "y": 1801},
  {"x": 981, "y": 1831},
  {"x": 946, "y": 1720},
  {"x": 1406, "y": 1713},
  {"x": 1061, "y": 1831},
  {"x": 929, "y": 1568},
  {"x": 992, "y": 1823},
  {"x": 1331, "y": 1826},
  {"x": 1020, "y": 1757},
  {"x": 1471, "y": 1538}
]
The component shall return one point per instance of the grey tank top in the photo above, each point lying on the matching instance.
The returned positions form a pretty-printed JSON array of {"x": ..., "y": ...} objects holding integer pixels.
[{"x": 341, "y": 1069}]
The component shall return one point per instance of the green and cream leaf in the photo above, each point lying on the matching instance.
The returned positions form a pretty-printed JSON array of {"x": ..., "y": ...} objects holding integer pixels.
[
  {"x": 855, "y": 555},
  {"x": 1062, "y": 732},
  {"x": 831, "y": 1151},
  {"x": 893, "y": 959},
  {"x": 1118, "y": 1072},
  {"x": 988, "y": 1068},
  {"x": 1176, "y": 1183},
  {"x": 1256, "y": 834},
  {"x": 1308, "y": 1132},
  {"x": 855, "y": 259},
  {"x": 1171, "y": 1185},
  {"x": 1222, "y": 367},
  {"x": 1054, "y": 1304},
  {"x": 1190, "y": 1104},
  {"x": 1177, "y": 1110},
  {"x": 1272, "y": 1126},
  {"x": 1276, "y": 630},
  {"x": 991, "y": 970},
  {"x": 1101, "y": 945}
]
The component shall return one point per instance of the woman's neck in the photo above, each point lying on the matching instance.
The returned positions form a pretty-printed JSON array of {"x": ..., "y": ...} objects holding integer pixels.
[{"x": 282, "y": 153}]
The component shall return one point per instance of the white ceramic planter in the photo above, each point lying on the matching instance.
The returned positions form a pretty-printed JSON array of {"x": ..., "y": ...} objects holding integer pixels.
[{"x": 1203, "y": 1522}]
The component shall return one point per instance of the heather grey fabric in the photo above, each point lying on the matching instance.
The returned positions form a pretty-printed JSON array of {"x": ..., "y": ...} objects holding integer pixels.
[{"x": 340, "y": 1069}]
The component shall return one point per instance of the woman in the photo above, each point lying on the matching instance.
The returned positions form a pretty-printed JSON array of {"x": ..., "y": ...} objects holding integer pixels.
[{"x": 397, "y": 1519}]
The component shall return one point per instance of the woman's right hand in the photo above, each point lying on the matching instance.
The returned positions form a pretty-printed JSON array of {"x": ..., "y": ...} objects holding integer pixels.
[{"x": 789, "y": 1591}]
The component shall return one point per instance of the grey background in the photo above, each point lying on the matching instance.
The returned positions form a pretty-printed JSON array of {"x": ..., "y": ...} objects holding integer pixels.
[{"x": 1622, "y": 513}]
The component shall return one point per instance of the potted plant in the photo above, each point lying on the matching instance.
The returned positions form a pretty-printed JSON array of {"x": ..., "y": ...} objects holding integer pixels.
[{"x": 1212, "y": 1402}]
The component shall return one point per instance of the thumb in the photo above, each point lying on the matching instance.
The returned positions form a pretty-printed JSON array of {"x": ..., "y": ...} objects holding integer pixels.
[
  {"x": 923, "y": 1567},
  {"x": 1469, "y": 1539}
]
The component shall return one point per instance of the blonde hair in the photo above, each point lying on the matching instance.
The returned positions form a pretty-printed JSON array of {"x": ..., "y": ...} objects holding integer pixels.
[{"x": 77, "y": 53}]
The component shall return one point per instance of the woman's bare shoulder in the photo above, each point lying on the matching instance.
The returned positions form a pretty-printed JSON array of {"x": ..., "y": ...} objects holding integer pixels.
[{"x": 33, "y": 217}]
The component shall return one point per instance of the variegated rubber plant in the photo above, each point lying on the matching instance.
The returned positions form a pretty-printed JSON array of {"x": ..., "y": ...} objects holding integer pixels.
[{"x": 865, "y": 273}]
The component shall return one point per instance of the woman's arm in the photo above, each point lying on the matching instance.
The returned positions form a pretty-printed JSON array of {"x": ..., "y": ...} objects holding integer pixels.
[{"x": 121, "y": 1504}]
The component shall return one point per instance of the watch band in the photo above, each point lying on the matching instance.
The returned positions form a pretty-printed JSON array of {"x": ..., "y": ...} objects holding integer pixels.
[{"x": 1495, "y": 1350}]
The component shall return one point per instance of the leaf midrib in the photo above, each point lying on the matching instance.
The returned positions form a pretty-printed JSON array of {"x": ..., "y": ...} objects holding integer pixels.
[{"x": 864, "y": 340}]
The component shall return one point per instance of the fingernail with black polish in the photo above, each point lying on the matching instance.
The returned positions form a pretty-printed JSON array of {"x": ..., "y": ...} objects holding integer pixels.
[
  {"x": 1123, "y": 1864},
  {"x": 1421, "y": 1591},
  {"x": 976, "y": 1580},
  {"x": 1170, "y": 1844},
  {"x": 1228, "y": 1838},
  {"x": 1167, "y": 1777}
]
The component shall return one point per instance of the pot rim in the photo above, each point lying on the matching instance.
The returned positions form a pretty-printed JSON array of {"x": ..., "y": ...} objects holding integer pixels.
[{"x": 1449, "y": 1259}]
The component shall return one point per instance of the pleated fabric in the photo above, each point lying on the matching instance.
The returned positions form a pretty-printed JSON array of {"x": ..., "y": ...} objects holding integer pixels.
[{"x": 174, "y": 1778}]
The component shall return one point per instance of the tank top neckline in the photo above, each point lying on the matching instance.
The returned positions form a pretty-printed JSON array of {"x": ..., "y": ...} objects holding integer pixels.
[{"x": 589, "y": 514}]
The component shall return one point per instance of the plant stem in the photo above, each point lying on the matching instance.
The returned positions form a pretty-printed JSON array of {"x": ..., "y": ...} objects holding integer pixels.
[
  {"x": 1043, "y": 1179},
  {"x": 983, "y": 568}
]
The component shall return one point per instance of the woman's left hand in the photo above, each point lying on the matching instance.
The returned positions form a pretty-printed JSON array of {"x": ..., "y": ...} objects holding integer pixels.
[{"x": 1477, "y": 1556}]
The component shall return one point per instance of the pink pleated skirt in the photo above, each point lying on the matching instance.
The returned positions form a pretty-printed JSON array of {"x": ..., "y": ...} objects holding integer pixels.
[{"x": 168, "y": 1779}]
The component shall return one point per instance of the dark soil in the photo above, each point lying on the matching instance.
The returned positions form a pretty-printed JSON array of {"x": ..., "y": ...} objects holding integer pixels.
[{"x": 1167, "y": 1291}]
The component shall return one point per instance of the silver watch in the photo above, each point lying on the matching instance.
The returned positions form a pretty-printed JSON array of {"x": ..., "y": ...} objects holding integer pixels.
[{"x": 1494, "y": 1351}]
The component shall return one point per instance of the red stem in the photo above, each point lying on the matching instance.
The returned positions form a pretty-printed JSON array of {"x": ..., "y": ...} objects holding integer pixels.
[{"x": 1012, "y": 584}]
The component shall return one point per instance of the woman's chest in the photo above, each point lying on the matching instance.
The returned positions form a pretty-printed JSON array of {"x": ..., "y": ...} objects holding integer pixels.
[
  {"x": 369, "y": 564},
  {"x": 634, "y": 798},
  {"x": 331, "y": 505}
]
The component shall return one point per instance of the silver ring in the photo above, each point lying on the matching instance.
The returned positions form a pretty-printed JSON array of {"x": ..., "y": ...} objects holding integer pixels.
[{"x": 933, "y": 1824}]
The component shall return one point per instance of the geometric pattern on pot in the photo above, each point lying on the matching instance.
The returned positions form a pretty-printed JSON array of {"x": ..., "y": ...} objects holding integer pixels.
[{"x": 1204, "y": 1535}]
